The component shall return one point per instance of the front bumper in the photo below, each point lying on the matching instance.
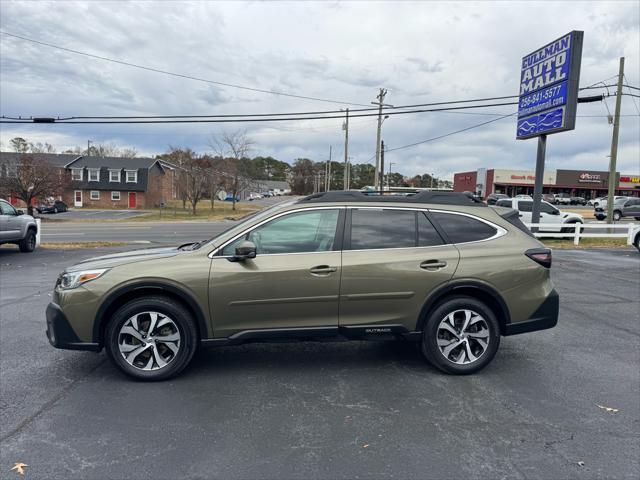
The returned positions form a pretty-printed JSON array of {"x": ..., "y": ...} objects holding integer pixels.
[
  {"x": 546, "y": 316},
  {"x": 60, "y": 333}
]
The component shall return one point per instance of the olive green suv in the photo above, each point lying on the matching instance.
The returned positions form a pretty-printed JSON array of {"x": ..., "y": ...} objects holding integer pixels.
[{"x": 438, "y": 269}]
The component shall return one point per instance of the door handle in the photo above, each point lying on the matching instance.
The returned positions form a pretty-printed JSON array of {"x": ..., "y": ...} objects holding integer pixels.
[
  {"x": 433, "y": 264},
  {"x": 323, "y": 270}
]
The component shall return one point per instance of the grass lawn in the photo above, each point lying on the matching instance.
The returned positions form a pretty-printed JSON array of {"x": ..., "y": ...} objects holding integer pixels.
[
  {"x": 174, "y": 211},
  {"x": 74, "y": 245},
  {"x": 585, "y": 242}
]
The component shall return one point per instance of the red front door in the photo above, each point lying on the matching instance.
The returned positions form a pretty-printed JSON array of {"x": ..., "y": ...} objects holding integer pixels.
[{"x": 132, "y": 199}]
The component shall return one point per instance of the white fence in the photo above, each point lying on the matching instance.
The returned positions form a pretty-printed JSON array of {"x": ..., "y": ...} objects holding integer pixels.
[{"x": 627, "y": 230}]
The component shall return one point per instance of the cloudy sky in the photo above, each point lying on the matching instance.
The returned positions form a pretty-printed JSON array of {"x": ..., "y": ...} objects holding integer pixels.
[{"x": 420, "y": 51}]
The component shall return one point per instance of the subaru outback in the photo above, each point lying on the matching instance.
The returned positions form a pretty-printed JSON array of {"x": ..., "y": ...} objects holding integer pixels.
[{"x": 441, "y": 270}]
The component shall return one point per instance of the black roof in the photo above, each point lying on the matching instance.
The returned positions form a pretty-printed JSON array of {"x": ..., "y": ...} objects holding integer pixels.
[
  {"x": 443, "y": 198},
  {"x": 127, "y": 163},
  {"x": 57, "y": 159}
]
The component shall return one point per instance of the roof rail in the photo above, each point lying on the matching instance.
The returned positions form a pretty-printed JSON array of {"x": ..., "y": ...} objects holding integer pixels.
[{"x": 441, "y": 198}]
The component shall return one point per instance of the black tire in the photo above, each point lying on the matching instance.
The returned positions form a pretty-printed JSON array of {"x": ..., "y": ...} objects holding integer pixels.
[
  {"x": 570, "y": 229},
  {"x": 617, "y": 216},
  {"x": 636, "y": 242},
  {"x": 28, "y": 243},
  {"x": 430, "y": 348},
  {"x": 637, "y": 218},
  {"x": 181, "y": 318},
  {"x": 55, "y": 209}
]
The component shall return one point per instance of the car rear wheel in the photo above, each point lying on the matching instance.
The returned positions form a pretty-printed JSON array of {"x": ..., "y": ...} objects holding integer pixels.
[
  {"x": 152, "y": 338},
  {"x": 461, "y": 336},
  {"x": 28, "y": 243}
]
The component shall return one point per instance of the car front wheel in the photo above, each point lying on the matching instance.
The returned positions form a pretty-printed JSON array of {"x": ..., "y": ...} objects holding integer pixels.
[
  {"x": 461, "y": 336},
  {"x": 152, "y": 338},
  {"x": 617, "y": 216}
]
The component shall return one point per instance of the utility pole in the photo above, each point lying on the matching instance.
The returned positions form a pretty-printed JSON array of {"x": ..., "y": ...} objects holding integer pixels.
[
  {"x": 328, "y": 171},
  {"x": 614, "y": 146},
  {"x": 89, "y": 142},
  {"x": 381, "y": 165},
  {"x": 389, "y": 175},
  {"x": 380, "y": 103},
  {"x": 345, "y": 127},
  {"x": 347, "y": 173}
]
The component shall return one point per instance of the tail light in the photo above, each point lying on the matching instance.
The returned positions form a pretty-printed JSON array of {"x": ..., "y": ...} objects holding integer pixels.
[{"x": 541, "y": 256}]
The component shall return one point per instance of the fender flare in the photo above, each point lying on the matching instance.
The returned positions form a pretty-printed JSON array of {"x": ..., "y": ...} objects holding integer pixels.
[
  {"x": 451, "y": 288},
  {"x": 157, "y": 286}
]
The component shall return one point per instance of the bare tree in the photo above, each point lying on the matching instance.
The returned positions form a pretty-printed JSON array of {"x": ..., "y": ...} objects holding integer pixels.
[
  {"x": 31, "y": 178},
  {"x": 234, "y": 148},
  {"x": 110, "y": 150},
  {"x": 192, "y": 174},
  {"x": 41, "y": 147},
  {"x": 19, "y": 145}
]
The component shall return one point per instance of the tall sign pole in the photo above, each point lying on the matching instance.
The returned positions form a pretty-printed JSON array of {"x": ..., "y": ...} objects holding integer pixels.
[
  {"x": 328, "y": 179},
  {"x": 345, "y": 127},
  {"x": 614, "y": 146},
  {"x": 549, "y": 84}
]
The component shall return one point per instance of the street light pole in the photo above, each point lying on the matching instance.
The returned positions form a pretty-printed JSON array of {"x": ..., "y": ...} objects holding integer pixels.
[{"x": 89, "y": 142}]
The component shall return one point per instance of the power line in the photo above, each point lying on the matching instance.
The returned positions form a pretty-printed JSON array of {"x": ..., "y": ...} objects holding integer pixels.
[
  {"x": 451, "y": 133},
  {"x": 169, "y": 119},
  {"x": 180, "y": 75},
  {"x": 632, "y": 99}
]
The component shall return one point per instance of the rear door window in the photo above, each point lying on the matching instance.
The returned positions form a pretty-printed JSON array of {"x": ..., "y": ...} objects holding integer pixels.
[
  {"x": 462, "y": 229},
  {"x": 384, "y": 228},
  {"x": 427, "y": 234}
]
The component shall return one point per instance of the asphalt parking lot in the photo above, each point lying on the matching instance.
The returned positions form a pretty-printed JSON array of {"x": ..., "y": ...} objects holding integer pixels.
[{"x": 332, "y": 410}]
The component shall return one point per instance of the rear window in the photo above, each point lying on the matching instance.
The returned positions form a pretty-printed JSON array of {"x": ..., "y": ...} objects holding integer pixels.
[
  {"x": 461, "y": 229},
  {"x": 525, "y": 206}
]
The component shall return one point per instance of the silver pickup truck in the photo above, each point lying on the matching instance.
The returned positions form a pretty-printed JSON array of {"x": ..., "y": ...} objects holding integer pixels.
[{"x": 16, "y": 227}]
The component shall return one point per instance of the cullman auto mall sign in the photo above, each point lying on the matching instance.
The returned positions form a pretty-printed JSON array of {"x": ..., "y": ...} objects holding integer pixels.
[{"x": 549, "y": 80}]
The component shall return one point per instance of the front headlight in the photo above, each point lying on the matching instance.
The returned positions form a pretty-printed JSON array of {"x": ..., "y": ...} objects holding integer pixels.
[{"x": 71, "y": 280}]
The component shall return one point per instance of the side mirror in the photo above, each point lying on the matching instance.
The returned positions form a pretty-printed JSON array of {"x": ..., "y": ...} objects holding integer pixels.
[
  {"x": 244, "y": 251},
  {"x": 20, "y": 212}
]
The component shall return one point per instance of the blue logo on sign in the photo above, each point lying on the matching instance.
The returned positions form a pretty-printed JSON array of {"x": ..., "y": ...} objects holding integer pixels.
[{"x": 541, "y": 123}]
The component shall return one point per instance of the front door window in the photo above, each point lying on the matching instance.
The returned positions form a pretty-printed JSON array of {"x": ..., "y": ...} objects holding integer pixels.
[{"x": 302, "y": 232}]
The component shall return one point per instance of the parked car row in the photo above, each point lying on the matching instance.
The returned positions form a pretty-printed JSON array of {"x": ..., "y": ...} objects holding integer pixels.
[{"x": 552, "y": 198}]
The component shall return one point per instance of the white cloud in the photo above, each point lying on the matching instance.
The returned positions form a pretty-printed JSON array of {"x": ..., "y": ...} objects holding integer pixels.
[{"x": 420, "y": 51}]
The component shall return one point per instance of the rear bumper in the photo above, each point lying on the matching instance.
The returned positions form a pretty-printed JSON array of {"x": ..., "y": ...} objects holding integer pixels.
[
  {"x": 546, "y": 316},
  {"x": 60, "y": 333}
]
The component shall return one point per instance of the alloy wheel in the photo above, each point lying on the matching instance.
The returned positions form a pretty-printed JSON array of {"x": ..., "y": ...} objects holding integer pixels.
[
  {"x": 463, "y": 336},
  {"x": 149, "y": 341}
]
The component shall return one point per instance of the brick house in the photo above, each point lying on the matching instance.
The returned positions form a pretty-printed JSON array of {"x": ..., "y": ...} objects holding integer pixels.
[
  {"x": 108, "y": 182},
  {"x": 116, "y": 182}
]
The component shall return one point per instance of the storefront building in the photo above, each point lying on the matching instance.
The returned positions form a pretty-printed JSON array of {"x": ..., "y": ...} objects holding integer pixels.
[{"x": 578, "y": 183}]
